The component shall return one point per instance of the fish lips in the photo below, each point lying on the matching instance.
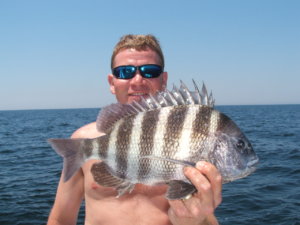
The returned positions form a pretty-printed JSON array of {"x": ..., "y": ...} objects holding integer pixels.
[
  {"x": 251, "y": 166},
  {"x": 253, "y": 163}
]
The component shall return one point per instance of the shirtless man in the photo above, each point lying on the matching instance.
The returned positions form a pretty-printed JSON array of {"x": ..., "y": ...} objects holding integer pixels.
[{"x": 145, "y": 204}]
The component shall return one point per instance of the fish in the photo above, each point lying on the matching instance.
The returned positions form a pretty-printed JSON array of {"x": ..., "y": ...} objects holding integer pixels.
[{"x": 151, "y": 141}]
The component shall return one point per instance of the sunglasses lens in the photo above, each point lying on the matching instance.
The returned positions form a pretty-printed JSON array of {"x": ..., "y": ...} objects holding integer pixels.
[
  {"x": 150, "y": 71},
  {"x": 124, "y": 72},
  {"x": 128, "y": 72}
]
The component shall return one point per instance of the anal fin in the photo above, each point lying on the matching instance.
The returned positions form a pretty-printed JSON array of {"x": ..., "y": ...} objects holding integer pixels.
[
  {"x": 179, "y": 190},
  {"x": 104, "y": 177}
]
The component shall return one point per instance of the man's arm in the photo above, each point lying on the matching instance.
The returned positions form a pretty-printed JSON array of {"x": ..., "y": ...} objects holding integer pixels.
[
  {"x": 199, "y": 209},
  {"x": 67, "y": 202},
  {"x": 70, "y": 194}
]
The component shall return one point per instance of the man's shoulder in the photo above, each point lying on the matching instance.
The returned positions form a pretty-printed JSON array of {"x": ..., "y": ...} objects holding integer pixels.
[{"x": 87, "y": 131}]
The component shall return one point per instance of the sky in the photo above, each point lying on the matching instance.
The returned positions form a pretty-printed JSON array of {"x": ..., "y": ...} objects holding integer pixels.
[{"x": 56, "y": 54}]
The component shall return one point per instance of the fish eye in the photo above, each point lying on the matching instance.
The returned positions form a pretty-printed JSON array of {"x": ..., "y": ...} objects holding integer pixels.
[{"x": 240, "y": 144}]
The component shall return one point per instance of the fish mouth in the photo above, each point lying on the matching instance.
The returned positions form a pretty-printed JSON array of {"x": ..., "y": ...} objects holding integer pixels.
[
  {"x": 253, "y": 163},
  {"x": 245, "y": 174},
  {"x": 251, "y": 167}
]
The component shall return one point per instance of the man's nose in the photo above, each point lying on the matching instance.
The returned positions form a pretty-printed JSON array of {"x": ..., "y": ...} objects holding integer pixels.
[{"x": 137, "y": 77}]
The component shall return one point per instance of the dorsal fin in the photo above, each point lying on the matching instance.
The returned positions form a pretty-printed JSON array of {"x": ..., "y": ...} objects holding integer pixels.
[
  {"x": 109, "y": 115},
  {"x": 183, "y": 96}
]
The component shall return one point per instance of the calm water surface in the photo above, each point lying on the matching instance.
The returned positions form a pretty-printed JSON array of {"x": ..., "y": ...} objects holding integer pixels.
[{"x": 30, "y": 169}]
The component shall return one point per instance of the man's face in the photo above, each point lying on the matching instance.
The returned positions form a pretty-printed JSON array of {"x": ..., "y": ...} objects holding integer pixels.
[{"x": 128, "y": 90}]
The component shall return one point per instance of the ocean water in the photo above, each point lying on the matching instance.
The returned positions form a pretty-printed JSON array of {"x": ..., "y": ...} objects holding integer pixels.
[{"x": 30, "y": 169}]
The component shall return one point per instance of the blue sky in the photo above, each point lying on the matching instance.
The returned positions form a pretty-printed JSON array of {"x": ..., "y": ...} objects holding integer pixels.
[{"x": 56, "y": 54}]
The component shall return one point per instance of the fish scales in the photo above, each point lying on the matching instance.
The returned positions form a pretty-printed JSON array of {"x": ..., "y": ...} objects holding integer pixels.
[
  {"x": 203, "y": 129},
  {"x": 112, "y": 147},
  {"x": 200, "y": 130},
  {"x": 151, "y": 141},
  {"x": 133, "y": 148},
  {"x": 102, "y": 150},
  {"x": 148, "y": 170},
  {"x": 177, "y": 130},
  {"x": 175, "y": 139},
  {"x": 185, "y": 150},
  {"x": 172, "y": 124},
  {"x": 123, "y": 145},
  {"x": 157, "y": 149},
  {"x": 92, "y": 147},
  {"x": 149, "y": 126},
  {"x": 174, "y": 128},
  {"x": 167, "y": 133},
  {"x": 87, "y": 148}
]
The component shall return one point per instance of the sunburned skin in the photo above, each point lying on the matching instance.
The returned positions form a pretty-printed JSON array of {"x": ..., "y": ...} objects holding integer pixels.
[
  {"x": 140, "y": 205},
  {"x": 144, "y": 205}
]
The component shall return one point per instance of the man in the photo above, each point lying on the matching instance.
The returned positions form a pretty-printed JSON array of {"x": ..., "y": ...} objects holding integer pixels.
[{"x": 145, "y": 204}]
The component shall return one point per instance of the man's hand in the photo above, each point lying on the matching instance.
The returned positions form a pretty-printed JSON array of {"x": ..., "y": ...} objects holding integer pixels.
[{"x": 199, "y": 209}]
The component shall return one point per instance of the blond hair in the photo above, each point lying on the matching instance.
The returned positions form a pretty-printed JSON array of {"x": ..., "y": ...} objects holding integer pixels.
[{"x": 139, "y": 43}]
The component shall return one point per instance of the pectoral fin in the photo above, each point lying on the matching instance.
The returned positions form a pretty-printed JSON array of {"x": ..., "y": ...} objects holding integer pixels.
[
  {"x": 179, "y": 190},
  {"x": 104, "y": 177}
]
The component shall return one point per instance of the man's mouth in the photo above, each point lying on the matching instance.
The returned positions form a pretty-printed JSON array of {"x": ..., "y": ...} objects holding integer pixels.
[{"x": 138, "y": 94}]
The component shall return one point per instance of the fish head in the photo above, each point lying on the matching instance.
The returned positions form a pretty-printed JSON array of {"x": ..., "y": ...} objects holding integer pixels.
[{"x": 232, "y": 153}]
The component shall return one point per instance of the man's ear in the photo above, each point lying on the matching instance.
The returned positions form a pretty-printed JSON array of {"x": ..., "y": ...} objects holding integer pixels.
[
  {"x": 164, "y": 80},
  {"x": 110, "y": 79}
]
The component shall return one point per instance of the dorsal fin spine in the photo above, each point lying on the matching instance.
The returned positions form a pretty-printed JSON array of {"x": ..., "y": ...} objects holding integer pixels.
[
  {"x": 109, "y": 115},
  {"x": 186, "y": 93},
  {"x": 197, "y": 93}
]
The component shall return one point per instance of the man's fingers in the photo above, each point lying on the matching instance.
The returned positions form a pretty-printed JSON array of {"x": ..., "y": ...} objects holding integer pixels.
[
  {"x": 178, "y": 208},
  {"x": 207, "y": 180},
  {"x": 214, "y": 178},
  {"x": 204, "y": 188}
]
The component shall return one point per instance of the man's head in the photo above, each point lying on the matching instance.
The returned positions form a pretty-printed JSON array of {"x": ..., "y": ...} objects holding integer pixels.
[
  {"x": 139, "y": 43},
  {"x": 137, "y": 50}
]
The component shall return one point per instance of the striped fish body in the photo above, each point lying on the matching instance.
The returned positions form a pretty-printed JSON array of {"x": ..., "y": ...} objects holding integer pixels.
[
  {"x": 152, "y": 147},
  {"x": 151, "y": 144}
]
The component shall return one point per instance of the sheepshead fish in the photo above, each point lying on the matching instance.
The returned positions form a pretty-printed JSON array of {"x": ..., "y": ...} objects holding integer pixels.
[{"x": 151, "y": 141}]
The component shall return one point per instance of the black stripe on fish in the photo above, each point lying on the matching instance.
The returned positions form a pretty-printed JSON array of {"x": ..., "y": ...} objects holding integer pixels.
[
  {"x": 98, "y": 145},
  {"x": 202, "y": 122},
  {"x": 122, "y": 145},
  {"x": 103, "y": 143},
  {"x": 174, "y": 127},
  {"x": 200, "y": 128},
  {"x": 87, "y": 148},
  {"x": 224, "y": 123},
  {"x": 146, "y": 142}
]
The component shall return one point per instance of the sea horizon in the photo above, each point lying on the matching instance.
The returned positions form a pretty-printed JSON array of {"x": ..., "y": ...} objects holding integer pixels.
[{"x": 216, "y": 105}]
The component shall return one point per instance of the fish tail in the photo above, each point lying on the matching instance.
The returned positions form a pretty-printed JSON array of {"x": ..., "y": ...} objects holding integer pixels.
[{"x": 72, "y": 152}]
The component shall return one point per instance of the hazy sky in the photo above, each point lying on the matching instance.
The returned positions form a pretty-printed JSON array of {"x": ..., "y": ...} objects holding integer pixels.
[{"x": 56, "y": 53}]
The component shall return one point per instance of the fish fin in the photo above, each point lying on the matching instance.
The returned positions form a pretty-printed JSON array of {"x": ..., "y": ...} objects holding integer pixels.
[
  {"x": 70, "y": 150},
  {"x": 109, "y": 115},
  {"x": 103, "y": 176},
  {"x": 179, "y": 189},
  {"x": 179, "y": 96},
  {"x": 184, "y": 96}
]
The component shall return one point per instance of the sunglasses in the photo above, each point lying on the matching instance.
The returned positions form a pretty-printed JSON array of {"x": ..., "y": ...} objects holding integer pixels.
[{"x": 146, "y": 71}]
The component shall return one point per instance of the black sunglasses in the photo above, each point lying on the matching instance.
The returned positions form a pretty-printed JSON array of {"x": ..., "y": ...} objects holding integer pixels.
[{"x": 128, "y": 72}]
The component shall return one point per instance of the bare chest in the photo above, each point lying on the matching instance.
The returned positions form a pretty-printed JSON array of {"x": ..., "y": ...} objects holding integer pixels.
[{"x": 144, "y": 203}]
